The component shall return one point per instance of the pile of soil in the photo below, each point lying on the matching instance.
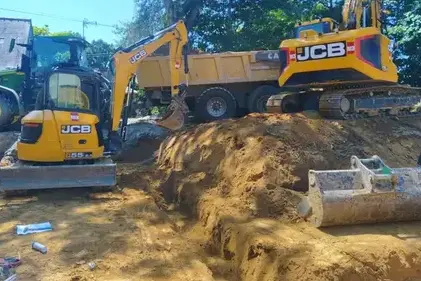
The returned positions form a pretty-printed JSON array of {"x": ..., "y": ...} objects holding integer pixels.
[
  {"x": 260, "y": 158},
  {"x": 243, "y": 179}
]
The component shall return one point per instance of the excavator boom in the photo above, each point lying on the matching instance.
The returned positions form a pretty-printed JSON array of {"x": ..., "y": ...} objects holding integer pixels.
[{"x": 126, "y": 61}]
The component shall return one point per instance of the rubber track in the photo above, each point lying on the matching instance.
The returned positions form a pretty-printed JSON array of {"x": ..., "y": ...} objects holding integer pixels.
[{"x": 329, "y": 103}]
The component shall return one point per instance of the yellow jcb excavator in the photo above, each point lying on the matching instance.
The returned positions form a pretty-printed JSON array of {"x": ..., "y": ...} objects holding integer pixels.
[
  {"x": 343, "y": 71},
  {"x": 78, "y": 123}
]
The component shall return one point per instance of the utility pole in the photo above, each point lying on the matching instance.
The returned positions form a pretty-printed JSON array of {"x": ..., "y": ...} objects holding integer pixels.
[{"x": 85, "y": 24}]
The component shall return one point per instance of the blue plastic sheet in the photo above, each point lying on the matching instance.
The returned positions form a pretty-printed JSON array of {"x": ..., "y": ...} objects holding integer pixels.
[{"x": 33, "y": 228}]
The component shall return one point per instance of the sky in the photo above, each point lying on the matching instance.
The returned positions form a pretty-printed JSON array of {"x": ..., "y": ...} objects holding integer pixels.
[{"x": 57, "y": 12}]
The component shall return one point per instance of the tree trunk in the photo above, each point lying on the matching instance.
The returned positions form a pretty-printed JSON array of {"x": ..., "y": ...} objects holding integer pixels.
[
  {"x": 191, "y": 10},
  {"x": 170, "y": 12}
]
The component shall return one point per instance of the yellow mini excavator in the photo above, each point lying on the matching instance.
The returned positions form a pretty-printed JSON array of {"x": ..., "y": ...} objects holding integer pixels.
[
  {"x": 344, "y": 71},
  {"x": 79, "y": 121}
]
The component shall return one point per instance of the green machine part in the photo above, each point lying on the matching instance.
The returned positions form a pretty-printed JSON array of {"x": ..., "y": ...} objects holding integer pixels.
[
  {"x": 10, "y": 108},
  {"x": 12, "y": 79}
]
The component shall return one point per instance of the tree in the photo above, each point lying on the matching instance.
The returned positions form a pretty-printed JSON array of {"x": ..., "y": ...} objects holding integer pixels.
[
  {"x": 147, "y": 20},
  {"x": 153, "y": 15},
  {"x": 45, "y": 31},
  {"x": 99, "y": 54},
  {"x": 407, "y": 34},
  {"x": 41, "y": 31},
  {"x": 247, "y": 24}
]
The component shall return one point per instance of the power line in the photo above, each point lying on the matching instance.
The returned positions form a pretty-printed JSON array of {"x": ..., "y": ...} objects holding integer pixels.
[{"x": 84, "y": 21}]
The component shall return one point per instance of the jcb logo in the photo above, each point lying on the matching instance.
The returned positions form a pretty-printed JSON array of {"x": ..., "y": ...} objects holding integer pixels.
[
  {"x": 76, "y": 129},
  {"x": 138, "y": 56},
  {"x": 325, "y": 51}
]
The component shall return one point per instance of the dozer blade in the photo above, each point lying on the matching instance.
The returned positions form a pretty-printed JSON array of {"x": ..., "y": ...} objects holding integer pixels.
[
  {"x": 25, "y": 177},
  {"x": 176, "y": 114},
  {"x": 370, "y": 192}
]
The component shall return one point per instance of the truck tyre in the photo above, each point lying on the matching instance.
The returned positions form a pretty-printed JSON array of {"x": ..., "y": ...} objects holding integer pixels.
[
  {"x": 5, "y": 112},
  {"x": 259, "y": 97},
  {"x": 215, "y": 104}
]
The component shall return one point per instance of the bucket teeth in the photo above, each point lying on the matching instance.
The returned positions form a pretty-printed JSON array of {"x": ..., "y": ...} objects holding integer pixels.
[
  {"x": 176, "y": 115},
  {"x": 369, "y": 192}
]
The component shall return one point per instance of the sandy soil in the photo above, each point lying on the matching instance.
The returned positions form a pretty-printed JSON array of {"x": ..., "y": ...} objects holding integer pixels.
[
  {"x": 220, "y": 204},
  {"x": 124, "y": 233},
  {"x": 240, "y": 179}
]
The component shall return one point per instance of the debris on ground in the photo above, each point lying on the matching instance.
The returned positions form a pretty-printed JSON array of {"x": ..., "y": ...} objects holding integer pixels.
[
  {"x": 39, "y": 247},
  {"x": 92, "y": 265},
  {"x": 10, "y": 262},
  {"x": 7, "y": 139},
  {"x": 33, "y": 228}
]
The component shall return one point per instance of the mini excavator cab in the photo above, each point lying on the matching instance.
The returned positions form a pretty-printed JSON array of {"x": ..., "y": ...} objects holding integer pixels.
[{"x": 67, "y": 122}]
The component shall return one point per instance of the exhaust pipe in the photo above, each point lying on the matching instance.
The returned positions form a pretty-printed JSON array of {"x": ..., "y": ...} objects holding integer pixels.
[{"x": 369, "y": 192}]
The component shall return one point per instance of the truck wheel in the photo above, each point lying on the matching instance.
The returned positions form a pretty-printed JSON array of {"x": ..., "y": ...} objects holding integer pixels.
[
  {"x": 5, "y": 112},
  {"x": 259, "y": 97},
  {"x": 215, "y": 104}
]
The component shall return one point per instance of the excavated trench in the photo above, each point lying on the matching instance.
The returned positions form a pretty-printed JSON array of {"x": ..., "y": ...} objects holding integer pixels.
[
  {"x": 237, "y": 184},
  {"x": 242, "y": 179}
]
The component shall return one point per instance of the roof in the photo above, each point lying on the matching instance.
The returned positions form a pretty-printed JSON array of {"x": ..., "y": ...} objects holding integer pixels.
[{"x": 21, "y": 31}]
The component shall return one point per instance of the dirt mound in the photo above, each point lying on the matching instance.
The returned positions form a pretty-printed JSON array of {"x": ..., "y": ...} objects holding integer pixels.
[
  {"x": 232, "y": 174},
  {"x": 256, "y": 158}
]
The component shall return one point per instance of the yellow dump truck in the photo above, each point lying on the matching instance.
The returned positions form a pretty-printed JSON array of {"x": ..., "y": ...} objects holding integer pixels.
[{"x": 221, "y": 85}]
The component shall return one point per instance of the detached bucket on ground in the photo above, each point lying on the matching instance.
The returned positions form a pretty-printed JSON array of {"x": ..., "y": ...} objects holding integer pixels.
[{"x": 369, "y": 192}]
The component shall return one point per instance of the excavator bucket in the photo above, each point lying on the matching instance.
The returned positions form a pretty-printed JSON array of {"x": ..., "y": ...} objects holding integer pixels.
[
  {"x": 369, "y": 192},
  {"x": 25, "y": 177},
  {"x": 176, "y": 114}
]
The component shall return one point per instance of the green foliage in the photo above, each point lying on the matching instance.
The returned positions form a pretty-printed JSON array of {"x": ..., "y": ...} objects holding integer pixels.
[
  {"x": 45, "y": 31},
  {"x": 41, "y": 31},
  {"x": 149, "y": 18},
  {"x": 99, "y": 53},
  {"x": 407, "y": 33}
]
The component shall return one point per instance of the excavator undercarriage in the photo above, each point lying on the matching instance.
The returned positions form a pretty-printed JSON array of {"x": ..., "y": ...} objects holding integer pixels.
[{"x": 356, "y": 102}]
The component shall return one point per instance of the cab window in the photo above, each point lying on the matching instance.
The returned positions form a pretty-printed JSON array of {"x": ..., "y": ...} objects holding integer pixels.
[
  {"x": 320, "y": 27},
  {"x": 67, "y": 92}
]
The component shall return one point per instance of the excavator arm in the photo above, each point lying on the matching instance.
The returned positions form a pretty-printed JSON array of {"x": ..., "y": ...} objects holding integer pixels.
[
  {"x": 126, "y": 61},
  {"x": 354, "y": 16}
]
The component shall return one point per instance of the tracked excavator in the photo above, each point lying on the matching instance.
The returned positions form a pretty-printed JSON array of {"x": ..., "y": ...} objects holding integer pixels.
[
  {"x": 343, "y": 71},
  {"x": 78, "y": 124}
]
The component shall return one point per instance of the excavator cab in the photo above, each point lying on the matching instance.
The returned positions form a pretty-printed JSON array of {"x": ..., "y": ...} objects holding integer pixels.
[
  {"x": 66, "y": 125},
  {"x": 315, "y": 27}
]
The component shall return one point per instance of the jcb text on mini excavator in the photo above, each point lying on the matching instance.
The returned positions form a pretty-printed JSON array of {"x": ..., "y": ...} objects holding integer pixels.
[
  {"x": 66, "y": 141},
  {"x": 343, "y": 71}
]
